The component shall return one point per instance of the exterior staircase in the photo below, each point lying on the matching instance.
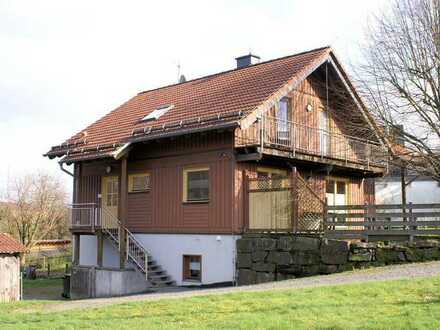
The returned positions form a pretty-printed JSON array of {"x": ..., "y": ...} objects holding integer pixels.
[{"x": 136, "y": 253}]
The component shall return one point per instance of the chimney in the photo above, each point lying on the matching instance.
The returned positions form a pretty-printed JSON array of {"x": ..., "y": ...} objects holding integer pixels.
[{"x": 247, "y": 60}]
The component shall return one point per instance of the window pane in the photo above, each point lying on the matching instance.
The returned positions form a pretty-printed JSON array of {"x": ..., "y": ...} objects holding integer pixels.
[
  {"x": 340, "y": 187},
  {"x": 109, "y": 200},
  {"x": 198, "y": 185},
  {"x": 330, "y": 187},
  {"x": 283, "y": 114}
]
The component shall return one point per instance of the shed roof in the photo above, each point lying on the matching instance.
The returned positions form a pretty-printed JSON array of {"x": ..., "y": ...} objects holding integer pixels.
[{"x": 8, "y": 245}]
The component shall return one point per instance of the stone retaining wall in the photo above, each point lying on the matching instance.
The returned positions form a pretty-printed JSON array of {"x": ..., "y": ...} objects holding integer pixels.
[{"x": 264, "y": 258}]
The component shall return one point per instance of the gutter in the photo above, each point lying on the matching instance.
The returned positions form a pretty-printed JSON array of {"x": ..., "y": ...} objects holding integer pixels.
[{"x": 183, "y": 132}]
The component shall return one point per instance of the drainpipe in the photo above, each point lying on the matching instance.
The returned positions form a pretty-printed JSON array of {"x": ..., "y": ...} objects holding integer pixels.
[{"x": 63, "y": 169}]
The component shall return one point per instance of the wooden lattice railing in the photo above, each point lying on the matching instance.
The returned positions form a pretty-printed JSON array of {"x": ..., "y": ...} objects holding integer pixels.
[{"x": 283, "y": 204}]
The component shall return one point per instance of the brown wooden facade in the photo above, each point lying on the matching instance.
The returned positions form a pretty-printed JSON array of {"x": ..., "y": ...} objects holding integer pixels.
[{"x": 162, "y": 208}]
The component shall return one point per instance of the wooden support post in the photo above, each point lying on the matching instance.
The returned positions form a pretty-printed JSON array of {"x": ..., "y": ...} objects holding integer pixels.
[
  {"x": 123, "y": 200},
  {"x": 294, "y": 196},
  {"x": 246, "y": 219},
  {"x": 100, "y": 248},
  {"x": 76, "y": 245}
]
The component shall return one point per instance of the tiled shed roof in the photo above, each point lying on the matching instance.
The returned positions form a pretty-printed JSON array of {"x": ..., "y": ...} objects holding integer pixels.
[
  {"x": 208, "y": 101},
  {"x": 8, "y": 245}
]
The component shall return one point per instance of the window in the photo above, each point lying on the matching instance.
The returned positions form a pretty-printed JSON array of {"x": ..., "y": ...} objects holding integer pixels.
[
  {"x": 196, "y": 185},
  {"x": 157, "y": 113},
  {"x": 336, "y": 191},
  {"x": 283, "y": 117},
  {"x": 192, "y": 268},
  {"x": 139, "y": 182}
]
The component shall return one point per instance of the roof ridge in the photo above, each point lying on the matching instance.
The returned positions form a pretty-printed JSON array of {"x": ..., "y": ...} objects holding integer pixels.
[{"x": 236, "y": 69}]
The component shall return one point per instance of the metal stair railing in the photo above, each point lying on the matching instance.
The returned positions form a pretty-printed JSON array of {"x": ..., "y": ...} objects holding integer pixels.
[{"x": 135, "y": 251}]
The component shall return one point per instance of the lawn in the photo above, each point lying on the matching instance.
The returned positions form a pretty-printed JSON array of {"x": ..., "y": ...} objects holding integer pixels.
[{"x": 384, "y": 305}]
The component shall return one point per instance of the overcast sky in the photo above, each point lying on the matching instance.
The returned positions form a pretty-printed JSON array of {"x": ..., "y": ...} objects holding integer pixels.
[{"x": 64, "y": 64}]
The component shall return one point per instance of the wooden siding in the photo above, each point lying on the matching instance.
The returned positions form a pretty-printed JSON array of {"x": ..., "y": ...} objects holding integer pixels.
[
  {"x": 9, "y": 278},
  {"x": 166, "y": 161}
]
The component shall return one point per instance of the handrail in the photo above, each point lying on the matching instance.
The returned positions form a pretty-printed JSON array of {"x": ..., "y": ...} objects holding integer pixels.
[
  {"x": 135, "y": 251},
  {"x": 351, "y": 137},
  {"x": 293, "y": 137}
]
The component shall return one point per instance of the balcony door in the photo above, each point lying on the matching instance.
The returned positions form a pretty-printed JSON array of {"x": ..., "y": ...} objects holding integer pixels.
[{"x": 110, "y": 197}]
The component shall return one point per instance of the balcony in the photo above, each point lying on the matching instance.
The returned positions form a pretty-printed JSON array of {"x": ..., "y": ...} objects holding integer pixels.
[
  {"x": 84, "y": 217},
  {"x": 285, "y": 138}
]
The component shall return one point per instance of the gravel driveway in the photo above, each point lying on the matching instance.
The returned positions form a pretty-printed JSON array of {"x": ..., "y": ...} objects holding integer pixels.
[{"x": 394, "y": 272}]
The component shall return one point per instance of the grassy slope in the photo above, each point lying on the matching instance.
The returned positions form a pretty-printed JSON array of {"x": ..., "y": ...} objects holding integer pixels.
[{"x": 392, "y": 304}]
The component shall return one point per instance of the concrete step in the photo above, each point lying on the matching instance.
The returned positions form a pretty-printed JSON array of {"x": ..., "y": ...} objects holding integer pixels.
[{"x": 163, "y": 283}]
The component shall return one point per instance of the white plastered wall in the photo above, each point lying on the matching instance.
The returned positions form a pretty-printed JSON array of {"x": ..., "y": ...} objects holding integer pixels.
[{"x": 217, "y": 251}]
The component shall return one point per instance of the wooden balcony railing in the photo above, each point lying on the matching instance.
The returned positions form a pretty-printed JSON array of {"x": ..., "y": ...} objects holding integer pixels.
[{"x": 271, "y": 132}]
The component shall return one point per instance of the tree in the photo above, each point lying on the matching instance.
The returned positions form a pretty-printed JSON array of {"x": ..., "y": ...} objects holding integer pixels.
[
  {"x": 400, "y": 80},
  {"x": 35, "y": 209}
]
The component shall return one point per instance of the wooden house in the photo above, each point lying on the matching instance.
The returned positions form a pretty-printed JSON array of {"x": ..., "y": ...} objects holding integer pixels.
[
  {"x": 162, "y": 182},
  {"x": 10, "y": 278}
]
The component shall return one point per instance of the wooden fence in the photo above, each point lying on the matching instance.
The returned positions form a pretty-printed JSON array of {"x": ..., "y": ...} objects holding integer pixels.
[{"x": 381, "y": 221}]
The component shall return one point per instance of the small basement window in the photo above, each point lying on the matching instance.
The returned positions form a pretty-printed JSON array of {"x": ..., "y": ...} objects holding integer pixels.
[
  {"x": 139, "y": 182},
  {"x": 157, "y": 113},
  {"x": 196, "y": 184},
  {"x": 192, "y": 268}
]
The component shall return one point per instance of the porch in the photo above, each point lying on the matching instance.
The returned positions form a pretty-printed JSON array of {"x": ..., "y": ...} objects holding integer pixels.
[
  {"x": 290, "y": 205},
  {"x": 284, "y": 138}
]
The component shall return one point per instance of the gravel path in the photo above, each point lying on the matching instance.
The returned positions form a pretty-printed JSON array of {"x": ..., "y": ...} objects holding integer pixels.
[{"x": 394, "y": 272}]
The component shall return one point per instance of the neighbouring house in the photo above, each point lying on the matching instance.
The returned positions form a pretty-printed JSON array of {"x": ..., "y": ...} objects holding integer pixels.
[
  {"x": 163, "y": 183},
  {"x": 10, "y": 278},
  {"x": 50, "y": 248}
]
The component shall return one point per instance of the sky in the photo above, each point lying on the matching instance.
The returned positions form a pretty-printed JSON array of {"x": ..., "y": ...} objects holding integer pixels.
[{"x": 64, "y": 64}]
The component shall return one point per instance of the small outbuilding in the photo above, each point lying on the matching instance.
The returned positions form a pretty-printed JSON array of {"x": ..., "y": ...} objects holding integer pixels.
[{"x": 10, "y": 279}]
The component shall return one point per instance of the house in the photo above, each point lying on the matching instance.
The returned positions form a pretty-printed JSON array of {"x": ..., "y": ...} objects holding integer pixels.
[
  {"x": 10, "y": 278},
  {"x": 50, "y": 248},
  {"x": 162, "y": 181}
]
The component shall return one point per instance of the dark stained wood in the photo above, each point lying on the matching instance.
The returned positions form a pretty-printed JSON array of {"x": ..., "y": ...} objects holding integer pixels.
[
  {"x": 122, "y": 210},
  {"x": 100, "y": 248},
  {"x": 76, "y": 246}
]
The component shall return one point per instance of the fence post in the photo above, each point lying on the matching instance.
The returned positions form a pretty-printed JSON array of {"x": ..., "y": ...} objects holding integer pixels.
[
  {"x": 411, "y": 218},
  {"x": 294, "y": 194},
  {"x": 366, "y": 219}
]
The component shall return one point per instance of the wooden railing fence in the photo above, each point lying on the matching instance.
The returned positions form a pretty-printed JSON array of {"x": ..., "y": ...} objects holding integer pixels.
[{"x": 366, "y": 221}]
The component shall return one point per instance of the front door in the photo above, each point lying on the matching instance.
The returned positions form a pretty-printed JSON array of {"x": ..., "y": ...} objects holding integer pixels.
[{"x": 110, "y": 197}]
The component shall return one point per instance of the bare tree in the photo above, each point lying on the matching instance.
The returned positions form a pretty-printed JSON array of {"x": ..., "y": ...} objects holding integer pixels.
[
  {"x": 400, "y": 80},
  {"x": 35, "y": 208}
]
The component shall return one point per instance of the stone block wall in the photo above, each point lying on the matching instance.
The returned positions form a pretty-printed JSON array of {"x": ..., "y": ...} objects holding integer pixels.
[{"x": 274, "y": 257}]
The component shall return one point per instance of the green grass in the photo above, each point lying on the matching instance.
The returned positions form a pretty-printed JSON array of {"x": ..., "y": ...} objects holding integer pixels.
[
  {"x": 382, "y": 305},
  {"x": 42, "y": 283}
]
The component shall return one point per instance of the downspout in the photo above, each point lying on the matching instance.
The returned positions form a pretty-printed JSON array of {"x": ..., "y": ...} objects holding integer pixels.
[{"x": 63, "y": 169}]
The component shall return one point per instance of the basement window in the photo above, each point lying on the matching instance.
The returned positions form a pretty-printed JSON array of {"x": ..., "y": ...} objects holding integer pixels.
[
  {"x": 192, "y": 268},
  {"x": 157, "y": 113}
]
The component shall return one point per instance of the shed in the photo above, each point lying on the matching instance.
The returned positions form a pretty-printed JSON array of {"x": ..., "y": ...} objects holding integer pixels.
[{"x": 10, "y": 279}]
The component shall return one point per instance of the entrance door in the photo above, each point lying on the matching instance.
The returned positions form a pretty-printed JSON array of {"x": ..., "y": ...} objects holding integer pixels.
[
  {"x": 323, "y": 132},
  {"x": 110, "y": 198}
]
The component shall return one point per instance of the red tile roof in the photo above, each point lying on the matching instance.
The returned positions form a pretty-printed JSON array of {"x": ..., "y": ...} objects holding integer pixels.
[
  {"x": 8, "y": 245},
  {"x": 231, "y": 94}
]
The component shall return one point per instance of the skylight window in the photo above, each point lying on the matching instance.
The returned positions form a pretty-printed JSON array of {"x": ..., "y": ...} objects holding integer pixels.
[{"x": 157, "y": 113}]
